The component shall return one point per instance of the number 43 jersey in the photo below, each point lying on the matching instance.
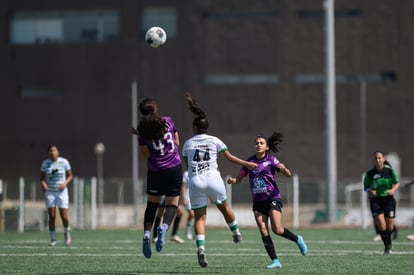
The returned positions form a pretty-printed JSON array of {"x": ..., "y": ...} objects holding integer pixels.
[{"x": 201, "y": 152}]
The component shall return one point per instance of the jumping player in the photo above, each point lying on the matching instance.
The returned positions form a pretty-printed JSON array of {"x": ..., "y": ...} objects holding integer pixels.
[
  {"x": 158, "y": 141},
  {"x": 200, "y": 153}
]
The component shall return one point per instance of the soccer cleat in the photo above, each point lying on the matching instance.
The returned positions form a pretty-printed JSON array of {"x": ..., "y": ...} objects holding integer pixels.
[
  {"x": 52, "y": 242},
  {"x": 159, "y": 244},
  {"x": 68, "y": 240},
  {"x": 302, "y": 246},
  {"x": 237, "y": 238},
  {"x": 377, "y": 238},
  {"x": 387, "y": 251},
  {"x": 189, "y": 236},
  {"x": 146, "y": 247},
  {"x": 275, "y": 264},
  {"x": 201, "y": 255},
  {"x": 177, "y": 239},
  {"x": 410, "y": 237}
]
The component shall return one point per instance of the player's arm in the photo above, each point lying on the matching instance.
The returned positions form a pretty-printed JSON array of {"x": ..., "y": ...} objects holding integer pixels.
[
  {"x": 394, "y": 188},
  {"x": 145, "y": 151},
  {"x": 284, "y": 170},
  {"x": 43, "y": 181},
  {"x": 176, "y": 139},
  {"x": 235, "y": 180},
  {"x": 236, "y": 160},
  {"x": 69, "y": 177}
]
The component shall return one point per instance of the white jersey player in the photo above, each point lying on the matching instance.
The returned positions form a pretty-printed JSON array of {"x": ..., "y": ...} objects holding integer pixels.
[
  {"x": 200, "y": 154},
  {"x": 55, "y": 175}
]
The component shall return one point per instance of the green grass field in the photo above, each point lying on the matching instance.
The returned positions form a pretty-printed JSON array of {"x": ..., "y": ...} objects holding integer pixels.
[{"x": 331, "y": 251}]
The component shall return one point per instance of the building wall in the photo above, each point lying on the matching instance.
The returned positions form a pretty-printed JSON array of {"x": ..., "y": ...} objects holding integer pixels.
[{"x": 277, "y": 40}]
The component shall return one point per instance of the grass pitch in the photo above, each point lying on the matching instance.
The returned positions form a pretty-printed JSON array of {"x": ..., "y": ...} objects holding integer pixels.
[{"x": 331, "y": 251}]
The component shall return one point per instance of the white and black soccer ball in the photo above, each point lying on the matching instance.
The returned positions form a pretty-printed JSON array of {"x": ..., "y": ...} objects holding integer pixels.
[{"x": 156, "y": 37}]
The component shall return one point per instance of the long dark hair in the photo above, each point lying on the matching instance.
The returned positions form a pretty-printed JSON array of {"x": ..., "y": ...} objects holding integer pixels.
[
  {"x": 200, "y": 121},
  {"x": 273, "y": 141},
  {"x": 151, "y": 125}
]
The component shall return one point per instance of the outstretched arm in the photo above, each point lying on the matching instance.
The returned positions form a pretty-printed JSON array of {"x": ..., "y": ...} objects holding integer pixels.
[{"x": 236, "y": 160}]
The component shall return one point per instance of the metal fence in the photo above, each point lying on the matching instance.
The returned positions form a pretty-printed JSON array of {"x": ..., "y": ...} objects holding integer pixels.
[{"x": 112, "y": 202}]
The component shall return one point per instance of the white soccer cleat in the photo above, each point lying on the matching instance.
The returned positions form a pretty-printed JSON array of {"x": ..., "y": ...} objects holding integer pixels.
[
  {"x": 177, "y": 239},
  {"x": 52, "y": 242}
]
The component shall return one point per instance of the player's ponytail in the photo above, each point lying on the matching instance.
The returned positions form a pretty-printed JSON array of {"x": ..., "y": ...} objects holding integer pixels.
[
  {"x": 200, "y": 121},
  {"x": 274, "y": 140}
]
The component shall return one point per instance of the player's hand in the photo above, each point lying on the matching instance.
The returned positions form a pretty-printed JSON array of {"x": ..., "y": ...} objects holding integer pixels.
[
  {"x": 231, "y": 180},
  {"x": 134, "y": 131},
  {"x": 390, "y": 192},
  {"x": 372, "y": 193}
]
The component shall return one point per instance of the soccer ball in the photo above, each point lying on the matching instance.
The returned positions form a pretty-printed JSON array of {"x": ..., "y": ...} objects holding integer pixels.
[{"x": 156, "y": 37}]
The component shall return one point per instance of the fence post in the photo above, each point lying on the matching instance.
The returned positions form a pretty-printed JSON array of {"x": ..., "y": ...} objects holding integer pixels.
[
  {"x": 93, "y": 203},
  {"x": 295, "y": 201},
  {"x": 20, "y": 225}
]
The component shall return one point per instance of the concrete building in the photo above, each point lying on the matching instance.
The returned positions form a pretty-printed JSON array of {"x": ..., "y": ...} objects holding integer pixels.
[{"x": 255, "y": 66}]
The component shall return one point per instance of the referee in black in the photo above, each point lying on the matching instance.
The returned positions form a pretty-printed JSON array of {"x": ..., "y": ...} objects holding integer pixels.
[{"x": 381, "y": 182}]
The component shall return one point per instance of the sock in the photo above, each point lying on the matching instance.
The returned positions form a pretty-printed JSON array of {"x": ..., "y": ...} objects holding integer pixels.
[
  {"x": 149, "y": 215},
  {"x": 67, "y": 228},
  {"x": 147, "y": 234},
  {"x": 169, "y": 215},
  {"x": 176, "y": 225},
  {"x": 234, "y": 227},
  {"x": 386, "y": 238},
  {"x": 200, "y": 241},
  {"x": 289, "y": 235},
  {"x": 156, "y": 224},
  {"x": 270, "y": 248},
  {"x": 52, "y": 233}
]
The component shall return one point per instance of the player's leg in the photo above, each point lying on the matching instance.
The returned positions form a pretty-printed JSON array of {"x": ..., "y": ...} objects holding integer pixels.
[
  {"x": 52, "y": 228},
  {"x": 199, "y": 227},
  {"x": 171, "y": 187},
  {"x": 230, "y": 219},
  {"x": 176, "y": 225},
  {"x": 275, "y": 214},
  {"x": 262, "y": 224},
  {"x": 149, "y": 216},
  {"x": 189, "y": 225},
  {"x": 50, "y": 202},
  {"x": 158, "y": 218},
  {"x": 63, "y": 205},
  {"x": 217, "y": 194}
]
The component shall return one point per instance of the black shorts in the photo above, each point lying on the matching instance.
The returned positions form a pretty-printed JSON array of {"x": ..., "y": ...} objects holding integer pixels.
[
  {"x": 165, "y": 182},
  {"x": 383, "y": 205},
  {"x": 264, "y": 207}
]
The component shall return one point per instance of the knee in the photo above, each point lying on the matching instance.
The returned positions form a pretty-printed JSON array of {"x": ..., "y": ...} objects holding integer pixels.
[{"x": 279, "y": 230}]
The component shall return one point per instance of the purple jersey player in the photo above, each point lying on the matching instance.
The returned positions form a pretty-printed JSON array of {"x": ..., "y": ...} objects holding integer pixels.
[
  {"x": 158, "y": 142},
  {"x": 266, "y": 195}
]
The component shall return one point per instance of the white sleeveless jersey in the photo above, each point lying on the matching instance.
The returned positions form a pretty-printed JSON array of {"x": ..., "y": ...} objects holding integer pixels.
[
  {"x": 201, "y": 152},
  {"x": 55, "y": 172}
]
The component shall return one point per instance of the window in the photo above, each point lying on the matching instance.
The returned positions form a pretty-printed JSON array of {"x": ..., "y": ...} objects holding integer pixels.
[
  {"x": 58, "y": 27},
  {"x": 163, "y": 17}
]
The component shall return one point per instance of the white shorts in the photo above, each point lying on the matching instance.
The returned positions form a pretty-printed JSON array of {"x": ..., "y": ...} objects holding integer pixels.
[
  {"x": 203, "y": 187},
  {"x": 59, "y": 199}
]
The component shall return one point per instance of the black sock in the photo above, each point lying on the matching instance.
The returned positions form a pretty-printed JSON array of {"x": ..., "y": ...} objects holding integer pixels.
[
  {"x": 156, "y": 224},
  {"x": 149, "y": 215},
  {"x": 270, "y": 248},
  {"x": 176, "y": 225},
  {"x": 289, "y": 235},
  {"x": 169, "y": 215},
  {"x": 386, "y": 238}
]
